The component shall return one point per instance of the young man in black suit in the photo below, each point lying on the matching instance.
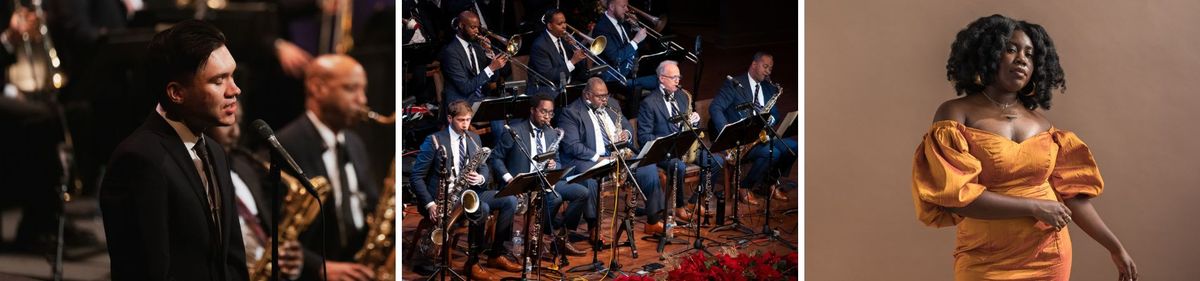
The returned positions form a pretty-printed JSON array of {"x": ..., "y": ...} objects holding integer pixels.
[{"x": 168, "y": 199}]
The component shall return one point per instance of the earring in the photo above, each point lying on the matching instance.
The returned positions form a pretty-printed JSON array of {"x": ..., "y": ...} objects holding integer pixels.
[
  {"x": 1032, "y": 89},
  {"x": 978, "y": 80}
]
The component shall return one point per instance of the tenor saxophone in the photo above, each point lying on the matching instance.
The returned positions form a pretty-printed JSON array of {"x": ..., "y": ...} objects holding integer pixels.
[
  {"x": 522, "y": 206},
  {"x": 378, "y": 252},
  {"x": 299, "y": 208}
]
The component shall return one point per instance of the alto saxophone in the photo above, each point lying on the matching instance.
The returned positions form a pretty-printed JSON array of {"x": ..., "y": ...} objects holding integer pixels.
[
  {"x": 467, "y": 201},
  {"x": 378, "y": 252},
  {"x": 299, "y": 209},
  {"x": 690, "y": 156},
  {"x": 522, "y": 206}
]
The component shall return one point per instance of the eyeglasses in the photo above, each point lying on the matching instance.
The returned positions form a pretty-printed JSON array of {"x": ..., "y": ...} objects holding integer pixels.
[
  {"x": 675, "y": 77},
  {"x": 544, "y": 111}
]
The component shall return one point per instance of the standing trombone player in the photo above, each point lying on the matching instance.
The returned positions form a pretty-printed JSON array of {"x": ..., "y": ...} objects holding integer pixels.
[{"x": 554, "y": 55}]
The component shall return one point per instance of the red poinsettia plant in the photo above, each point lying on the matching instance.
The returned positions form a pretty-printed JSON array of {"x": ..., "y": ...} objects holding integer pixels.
[{"x": 760, "y": 266}]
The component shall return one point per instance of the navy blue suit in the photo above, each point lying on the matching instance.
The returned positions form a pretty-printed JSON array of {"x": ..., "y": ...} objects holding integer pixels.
[
  {"x": 463, "y": 82},
  {"x": 426, "y": 185},
  {"x": 578, "y": 147},
  {"x": 545, "y": 59},
  {"x": 723, "y": 110},
  {"x": 654, "y": 122},
  {"x": 619, "y": 53},
  {"x": 510, "y": 159}
]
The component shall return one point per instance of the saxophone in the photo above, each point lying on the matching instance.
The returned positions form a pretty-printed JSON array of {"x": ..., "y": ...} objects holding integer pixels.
[
  {"x": 378, "y": 252},
  {"x": 522, "y": 206},
  {"x": 299, "y": 209},
  {"x": 467, "y": 200},
  {"x": 762, "y": 136},
  {"x": 690, "y": 156}
]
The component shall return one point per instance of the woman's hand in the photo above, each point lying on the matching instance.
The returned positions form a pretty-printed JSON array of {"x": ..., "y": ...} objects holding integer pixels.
[
  {"x": 1053, "y": 213},
  {"x": 1126, "y": 269}
]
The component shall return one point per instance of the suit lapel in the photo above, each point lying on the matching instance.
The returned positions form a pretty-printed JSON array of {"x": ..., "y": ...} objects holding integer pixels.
[{"x": 178, "y": 152}]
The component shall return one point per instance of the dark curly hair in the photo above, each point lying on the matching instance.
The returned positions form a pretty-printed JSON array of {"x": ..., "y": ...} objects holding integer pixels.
[{"x": 977, "y": 49}]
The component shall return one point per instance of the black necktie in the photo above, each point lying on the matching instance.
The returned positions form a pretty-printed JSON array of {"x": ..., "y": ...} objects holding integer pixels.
[
  {"x": 758, "y": 95},
  {"x": 561, "y": 51},
  {"x": 474, "y": 59},
  {"x": 212, "y": 190},
  {"x": 345, "y": 213}
]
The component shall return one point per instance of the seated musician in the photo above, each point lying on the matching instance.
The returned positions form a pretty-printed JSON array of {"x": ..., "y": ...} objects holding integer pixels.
[
  {"x": 591, "y": 124},
  {"x": 459, "y": 145},
  {"x": 537, "y": 136},
  {"x": 654, "y": 121},
  {"x": 253, "y": 203},
  {"x": 465, "y": 64},
  {"x": 724, "y": 109},
  {"x": 322, "y": 144}
]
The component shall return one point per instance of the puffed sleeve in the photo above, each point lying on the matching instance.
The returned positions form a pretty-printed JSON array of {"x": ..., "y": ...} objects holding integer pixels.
[
  {"x": 944, "y": 175},
  {"x": 1075, "y": 171}
]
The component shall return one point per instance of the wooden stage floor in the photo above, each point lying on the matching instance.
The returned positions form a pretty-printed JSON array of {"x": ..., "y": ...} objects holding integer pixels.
[{"x": 751, "y": 216}]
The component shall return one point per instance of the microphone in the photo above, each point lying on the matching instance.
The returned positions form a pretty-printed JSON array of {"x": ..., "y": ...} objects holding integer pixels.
[
  {"x": 289, "y": 164},
  {"x": 735, "y": 82}
]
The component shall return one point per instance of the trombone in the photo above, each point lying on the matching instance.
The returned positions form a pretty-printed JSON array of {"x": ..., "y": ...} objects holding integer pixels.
[
  {"x": 632, "y": 16},
  {"x": 511, "y": 46},
  {"x": 594, "y": 48}
]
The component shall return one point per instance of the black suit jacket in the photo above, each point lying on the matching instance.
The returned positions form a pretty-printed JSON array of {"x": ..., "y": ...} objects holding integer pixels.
[
  {"x": 507, "y": 158},
  {"x": 252, "y": 172},
  {"x": 302, "y": 141},
  {"x": 156, "y": 213},
  {"x": 545, "y": 59}
]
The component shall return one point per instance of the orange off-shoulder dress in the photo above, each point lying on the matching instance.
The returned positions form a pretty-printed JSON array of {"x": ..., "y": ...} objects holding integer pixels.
[{"x": 954, "y": 165}]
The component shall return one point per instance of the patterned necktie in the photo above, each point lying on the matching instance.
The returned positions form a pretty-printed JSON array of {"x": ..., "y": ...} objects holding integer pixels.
[
  {"x": 537, "y": 140},
  {"x": 758, "y": 95},
  {"x": 212, "y": 190},
  {"x": 462, "y": 154}
]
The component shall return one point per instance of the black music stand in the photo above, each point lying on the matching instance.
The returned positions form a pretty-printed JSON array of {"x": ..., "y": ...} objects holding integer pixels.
[
  {"x": 525, "y": 183},
  {"x": 494, "y": 109},
  {"x": 662, "y": 149},
  {"x": 733, "y": 136},
  {"x": 597, "y": 171},
  {"x": 773, "y": 136}
]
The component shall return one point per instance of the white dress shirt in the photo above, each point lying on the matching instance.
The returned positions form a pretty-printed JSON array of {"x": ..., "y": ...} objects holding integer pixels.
[
  {"x": 473, "y": 59},
  {"x": 334, "y": 173},
  {"x": 558, "y": 43}
]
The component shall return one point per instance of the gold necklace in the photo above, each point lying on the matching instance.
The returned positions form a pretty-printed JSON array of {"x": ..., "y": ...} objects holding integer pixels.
[{"x": 1005, "y": 109}]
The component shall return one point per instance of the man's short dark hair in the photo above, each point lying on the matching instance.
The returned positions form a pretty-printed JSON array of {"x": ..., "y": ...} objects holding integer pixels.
[
  {"x": 176, "y": 54},
  {"x": 537, "y": 100}
]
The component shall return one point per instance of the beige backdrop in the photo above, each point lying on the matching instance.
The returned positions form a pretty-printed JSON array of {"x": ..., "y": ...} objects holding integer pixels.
[{"x": 875, "y": 73}]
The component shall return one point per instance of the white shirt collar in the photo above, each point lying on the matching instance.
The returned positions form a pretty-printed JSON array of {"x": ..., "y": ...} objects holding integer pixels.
[
  {"x": 752, "y": 81},
  {"x": 327, "y": 136},
  {"x": 189, "y": 139},
  {"x": 553, "y": 39},
  {"x": 614, "y": 21},
  {"x": 462, "y": 41}
]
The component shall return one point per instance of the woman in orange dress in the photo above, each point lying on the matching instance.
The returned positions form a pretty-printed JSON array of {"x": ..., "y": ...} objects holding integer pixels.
[{"x": 995, "y": 167}]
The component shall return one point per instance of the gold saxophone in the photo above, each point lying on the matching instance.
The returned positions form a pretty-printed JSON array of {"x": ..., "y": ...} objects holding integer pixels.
[
  {"x": 690, "y": 156},
  {"x": 467, "y": 201},
  {"x": 299, "y": 209},
  {"x": 378, "y": 252}
]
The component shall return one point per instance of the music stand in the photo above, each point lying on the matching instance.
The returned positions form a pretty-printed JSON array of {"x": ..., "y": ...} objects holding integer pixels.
[
  {"x": 599, "y": 170},
  {"x": 733, "y": 136},
  {"x": 662, "y": 149},
  {"x": 495, "y": 109},
  {"x": 525, "y": 183},
  {"x": 788, "y": 128}
]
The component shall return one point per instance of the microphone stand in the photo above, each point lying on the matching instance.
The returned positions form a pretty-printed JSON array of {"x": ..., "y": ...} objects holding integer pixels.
[
  {"x": 627, "y": 222},
  {"x": 772, "y": 137},
  {"x": 443, "y": 266},
  {"x": 532, "y": 217},
  {"x": 705, "y": 192}
]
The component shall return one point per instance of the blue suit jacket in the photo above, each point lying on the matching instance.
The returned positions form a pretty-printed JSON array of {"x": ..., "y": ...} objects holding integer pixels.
[
  {"x": 424, "y": 177},
  {"x": 619, "y": 53},
  {"x": 545, "y": 60},
  {"x": 653, "y": 118},
  {"x": 578, "y": 141},
  {"x": 457, "y": 69},
  {"x": 509, "y": 159},
  {"x": 723, "y": 109}
]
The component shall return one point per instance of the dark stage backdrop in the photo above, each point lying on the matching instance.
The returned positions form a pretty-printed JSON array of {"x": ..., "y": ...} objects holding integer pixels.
[{"x": 875, "y": 74}]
